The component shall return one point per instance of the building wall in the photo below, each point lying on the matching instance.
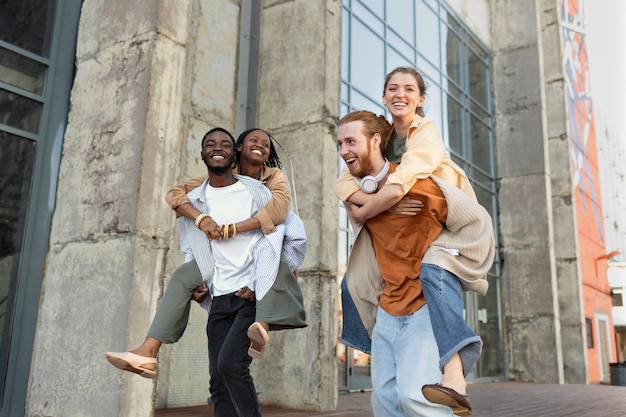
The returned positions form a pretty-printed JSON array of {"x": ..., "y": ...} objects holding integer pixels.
[
  {"x": 525, "y": 194},
  {"x": 150, "y": 79}
]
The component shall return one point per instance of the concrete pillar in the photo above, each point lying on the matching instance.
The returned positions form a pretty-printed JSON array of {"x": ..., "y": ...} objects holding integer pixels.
[
  {"x": 525, "y": 196},
  {"x": 110, "y": 233},
  {"x": 298, "y": 103},
  {"x": 569, "y": 280}
]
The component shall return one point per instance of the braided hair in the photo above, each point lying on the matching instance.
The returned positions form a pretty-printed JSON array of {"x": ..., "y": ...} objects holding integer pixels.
[{"x": 273, "y": 160}]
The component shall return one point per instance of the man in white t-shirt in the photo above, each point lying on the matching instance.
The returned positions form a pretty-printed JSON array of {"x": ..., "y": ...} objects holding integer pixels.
[{"x": 229, "y": 261}]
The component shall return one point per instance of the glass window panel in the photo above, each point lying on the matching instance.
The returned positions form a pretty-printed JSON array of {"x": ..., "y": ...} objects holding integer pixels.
[
  {"x": 365, "y": 71},
  {"x": 618, "y": 300},
  {"x": 27, "y": 24},
  {"x": 487, "y": 182},
  {"x": 428, "y": 70},
  {"x": 376, "y": 6},
  {"x": 452, "y": 55},
  {"x": 22, "y": 72},
  {"x": 454, "y": 113},
  {"x": 394, "y": 60},
  {"x": 491, "y": 362},
  {"x": 373, "y": 21},
  {"x": 433, "y": 3},
  {"x": 453, "y": 90},
  {"x": 481, "y": 145},
  {"x": 343, "y": 111},
  {"x": 487, "y": 200},
  {"x": 459, "y": 161},
  {"x": 401, "y": 46},
  {"x": 345, "y": 42},
  {"x": 427, "y": 29},
  {"x": 16, "y": 168},
  {"x": 480, "y": 112},
  {"x": 477, "y": 78},
  {"x": 477, "y": 49},
  {"x": 360, "y": 102},
  {"x": 345, "y": 90},
  {"x": 454, "y": 24},
  {"x": 19, "y": 112},
  {"x": 432, "y": 106},
  {"x": 400, "y": 18}
]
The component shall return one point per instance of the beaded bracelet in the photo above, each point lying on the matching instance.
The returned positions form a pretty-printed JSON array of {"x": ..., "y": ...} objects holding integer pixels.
[{"x": 199, "y": 219}]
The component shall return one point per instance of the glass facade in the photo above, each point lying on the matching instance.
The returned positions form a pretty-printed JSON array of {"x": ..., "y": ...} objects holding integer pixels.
[
  {"x": 380, "y": 35},
  {"x": 37, "y": 44}
]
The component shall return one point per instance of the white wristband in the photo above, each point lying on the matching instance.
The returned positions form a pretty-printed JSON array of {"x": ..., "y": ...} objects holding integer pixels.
[{"x": 199, "y": 219}]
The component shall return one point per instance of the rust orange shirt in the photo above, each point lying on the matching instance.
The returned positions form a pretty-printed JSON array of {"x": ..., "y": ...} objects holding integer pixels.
[{"x": 400, "y": 243}]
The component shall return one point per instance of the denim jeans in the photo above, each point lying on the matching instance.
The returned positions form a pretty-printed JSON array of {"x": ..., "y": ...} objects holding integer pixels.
[
  {"x": 443, "y": 293},
  {"x": 232, "y": 389},
  {"x": 404, "y": 358},
  {"x": 353, "y": 332}
]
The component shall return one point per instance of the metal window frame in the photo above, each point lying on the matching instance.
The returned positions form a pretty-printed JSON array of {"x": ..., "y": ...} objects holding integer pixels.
[{"x": 40, "y": 209}]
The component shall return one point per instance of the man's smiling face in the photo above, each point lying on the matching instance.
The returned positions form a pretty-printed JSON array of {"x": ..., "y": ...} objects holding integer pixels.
[
  {"x": 355, "y": 148},
  {"x": 218, "y": 152}
]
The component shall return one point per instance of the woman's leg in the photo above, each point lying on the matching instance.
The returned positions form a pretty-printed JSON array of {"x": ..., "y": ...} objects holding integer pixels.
[
  {"x": 459, "y": 347},
  {"x": 172, "y": 314},
  {"x": 168, "y": 324}
]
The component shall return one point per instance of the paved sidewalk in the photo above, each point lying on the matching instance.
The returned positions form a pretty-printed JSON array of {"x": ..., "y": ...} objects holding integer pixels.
[{"x": 498, "y": 399}]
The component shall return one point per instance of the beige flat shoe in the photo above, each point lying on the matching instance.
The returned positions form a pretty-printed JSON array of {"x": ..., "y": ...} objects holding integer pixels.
[
  {"x": 127, "y": 361},
  {"x": 258, "y": 340}
]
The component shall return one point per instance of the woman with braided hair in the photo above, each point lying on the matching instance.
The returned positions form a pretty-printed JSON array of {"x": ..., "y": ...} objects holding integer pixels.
[{"x": 280, "y": 308}]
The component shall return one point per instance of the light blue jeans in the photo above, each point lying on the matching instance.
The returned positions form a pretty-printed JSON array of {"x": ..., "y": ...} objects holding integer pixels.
[
  {"x": 404, "y": 358},
  {"x": 443, "y": 293}
]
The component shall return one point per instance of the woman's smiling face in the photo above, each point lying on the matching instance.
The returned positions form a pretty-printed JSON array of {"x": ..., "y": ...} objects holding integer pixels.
[
  {"x": 402, "y": 95},
  {"x": 255, "y": 147}
]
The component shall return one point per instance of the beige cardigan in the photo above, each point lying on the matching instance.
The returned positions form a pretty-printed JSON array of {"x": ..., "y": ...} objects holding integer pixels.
[{"x": 469, "y": 229}]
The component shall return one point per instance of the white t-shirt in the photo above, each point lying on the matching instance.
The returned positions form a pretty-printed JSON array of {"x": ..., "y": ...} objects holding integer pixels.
[{"x": 233, "y": 263}]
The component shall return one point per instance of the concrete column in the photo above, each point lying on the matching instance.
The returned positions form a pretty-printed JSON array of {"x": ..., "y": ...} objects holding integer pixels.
[
  {"x": 298, "y": 99},
  {"x": 525, "y": 196},
  {"x": 111, "y": 230},
  {"x": 569, "y": 278}
]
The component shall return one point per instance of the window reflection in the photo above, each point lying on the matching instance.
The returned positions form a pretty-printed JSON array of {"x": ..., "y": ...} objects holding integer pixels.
[
  {"x": 477, "y": 73},
  {"x": 27, "y": 24},
  {"x": 481, "y": 145},
  {"x": 19, "y": 112},
  {"x": 16, "y": 162},
  {"x": 21, "y": 72},
  {"x": 455, "y": 126}
]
